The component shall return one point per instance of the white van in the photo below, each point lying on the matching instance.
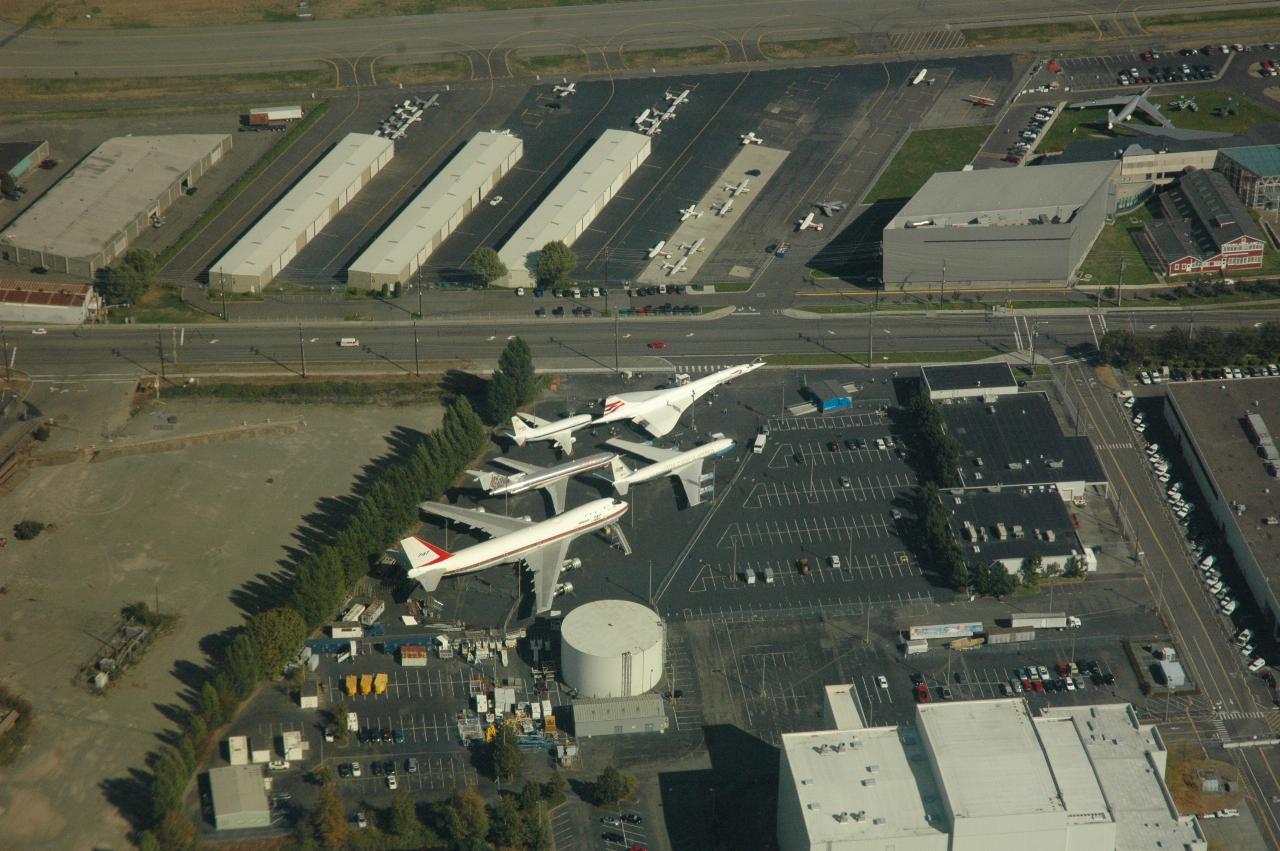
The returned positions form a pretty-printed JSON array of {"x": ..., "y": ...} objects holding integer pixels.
[{"x": 349, "y": 343}]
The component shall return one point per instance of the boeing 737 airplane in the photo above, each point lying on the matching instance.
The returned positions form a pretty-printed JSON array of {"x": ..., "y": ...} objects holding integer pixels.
[
  {"x": 686, "y": 465},
  {"x": 527, "y": 427},
  {"x": 658, "y": 411},
  {"x": 555, "y": 480},
  {"x": 541, "y": 545}
]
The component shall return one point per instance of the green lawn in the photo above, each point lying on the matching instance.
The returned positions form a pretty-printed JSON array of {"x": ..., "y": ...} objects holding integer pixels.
[
  {"x": 1200, "y": 20},
  {"x": 1029, "y": 32},
  {"x": 926, "y": 152},
  {"x": 676, "y": 57},
  {"x": 1116, "y": 242},
  {"x": 801, "y": 48},
  {"x": 1074, "y": 125},
  {"x": 1248, "y": 112}
]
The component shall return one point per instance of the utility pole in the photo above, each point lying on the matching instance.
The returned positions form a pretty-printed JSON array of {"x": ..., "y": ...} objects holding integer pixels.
[
  {"x": 160, "y": 344},
  {"x": 419, "y": 293},
  {"x": 615, "y": 340},
  {"x": 5, "y": 342},
  {"x": 942, "y": 293},
  {"x": 415, "y": 347},
  {"x": 302, "y": 350},
  {"x": 1120, "y": 286},
  {"x": 1035, "y": 332},
  {"x": 875, "y": 302}
]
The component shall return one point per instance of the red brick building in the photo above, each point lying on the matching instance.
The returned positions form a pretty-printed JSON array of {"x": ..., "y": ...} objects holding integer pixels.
[{"x": 1203, "y": 227}]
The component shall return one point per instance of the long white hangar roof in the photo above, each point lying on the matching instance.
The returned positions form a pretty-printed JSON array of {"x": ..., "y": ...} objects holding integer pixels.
[
  {"x": 441, "y": 204},
  {"x": 300, "y": 208},
  {"x": 578, "y": 197}
]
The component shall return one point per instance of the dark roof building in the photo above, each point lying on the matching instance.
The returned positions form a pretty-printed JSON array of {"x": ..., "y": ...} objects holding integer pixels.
[
  {"x": 1204, "y": 226},
  {"x": 1015, "y": 524},
  {"x": 1015, "y": 441},
  {"x": 969, "y": 380},
  {"x": 1254, "y": 173}
]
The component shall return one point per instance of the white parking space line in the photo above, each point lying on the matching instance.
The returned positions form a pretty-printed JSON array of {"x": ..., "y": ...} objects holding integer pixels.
[{"x": 854, "y": 567}]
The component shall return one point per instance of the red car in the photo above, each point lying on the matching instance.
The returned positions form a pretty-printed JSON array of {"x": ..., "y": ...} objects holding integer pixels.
[
  {"x": 922, "y": 693},
  {"x": 1039, "y": 684},
  {"x": 657, "y": 344}
]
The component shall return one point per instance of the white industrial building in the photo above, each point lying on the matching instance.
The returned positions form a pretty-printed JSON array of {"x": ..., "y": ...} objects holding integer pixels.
[
  {"x": 239, "y": 797},
  {"x": 43, "y": 303},
  {"x": 577, "y": 199},
  {"x": 619, "y": 716},
  {"x": 980, "y": 776},
  {"x": 436, "y": 211},
  {"x": 260, "y": 255},
  {"x": 612, "y": 648},
  {"x": 89, "y": 218}
]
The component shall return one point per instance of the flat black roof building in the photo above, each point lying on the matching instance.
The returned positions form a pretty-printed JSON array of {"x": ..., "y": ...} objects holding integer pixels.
[
  {"x": 1016, "y": 440},
  {"x": 1012, "y": 525},
  {"x": 969, "y": 380}
]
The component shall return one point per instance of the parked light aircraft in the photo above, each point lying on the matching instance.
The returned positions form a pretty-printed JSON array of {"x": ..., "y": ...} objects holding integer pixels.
[
  {"x": 830, "y": 208},
  {"x": 643, "y": 118},
  {"x": 751, "y": 139},
  {"x": 527, "y": 427},
  {"x": 696, "y": 245},
  {"x": 541, "y": 546},
  {"x": 918, "y": 77},
  {"x": 657, "y": 249},
  {"x": 686, "y": 465},
  {"x": 690, "y": 212},
  {"x": 658, "y": 411},
  {"x": 737, "y": 189},
  {"x": 980, "y": 100},
  {"x": 554, "y": 480},
  {"x": 724, "y": 206},
  {"x": 565, "y": 88},
  {"x": 677, "y": 267},
  {"x": 808, "y": 223},
  {"x": 676, "y": 100}
]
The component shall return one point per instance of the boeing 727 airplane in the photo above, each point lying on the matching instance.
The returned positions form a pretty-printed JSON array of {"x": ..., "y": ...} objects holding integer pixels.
[
  {"x": 658, "y": 411},
  {"x": 554, "y": 480},
  {"x": 541, "y": 546},
  {"x": 527, "y": 427},
  {"x": 686, "y": 465}
]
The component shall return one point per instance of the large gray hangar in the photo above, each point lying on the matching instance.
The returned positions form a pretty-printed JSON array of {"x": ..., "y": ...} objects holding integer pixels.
[
  {"x": 436, "y": 211},
  {"x": 999, "y": 226},
  {"x": 575, "y": 202},
  {"x": 89, "y": 218},
  {"x": 612, "y": 648},
  {"x": 276, "y": 239}
]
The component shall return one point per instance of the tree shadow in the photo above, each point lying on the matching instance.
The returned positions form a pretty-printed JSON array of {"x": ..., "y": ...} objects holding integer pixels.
[{"x": 131, "y": 796}]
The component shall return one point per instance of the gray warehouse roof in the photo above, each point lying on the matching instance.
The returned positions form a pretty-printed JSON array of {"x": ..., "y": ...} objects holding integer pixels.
[
  {"x": 575, "y": 196},
  {"x": 973, "y": 376},
  {"x": 441, "y": 203},
  {"x": 1001, "y": 197},
  {"x": 238, "y": 790},
  {"x": 619, "y": 709},
  {"x": 94, "y": 203},
  {"x": 287, "y": 222}
]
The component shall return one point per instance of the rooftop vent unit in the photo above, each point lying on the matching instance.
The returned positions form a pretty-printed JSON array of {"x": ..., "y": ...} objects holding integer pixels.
[
  {"x": 1018, "y": 533},
  {"x": 1015, "y": 465},
  {"x": 1271, "y": 521},
  {"x": 869, "y": 781},
  {"x": 1050, "y": 535},
  {"x": 1055, "y": 463}
]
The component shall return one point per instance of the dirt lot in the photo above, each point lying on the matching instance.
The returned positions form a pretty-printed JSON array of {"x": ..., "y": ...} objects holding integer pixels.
[{"x": 191, "y": 526}]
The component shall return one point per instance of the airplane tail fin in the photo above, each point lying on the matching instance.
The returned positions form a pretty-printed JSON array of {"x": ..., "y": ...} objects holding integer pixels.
[
  {"x": 519, "y": 431},
  {"x": 618, "y": 474},
  {"x": 420, "y": 555},
  {"x": 484, "y": 478}
]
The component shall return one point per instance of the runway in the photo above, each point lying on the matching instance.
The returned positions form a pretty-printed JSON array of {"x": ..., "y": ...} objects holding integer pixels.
[{"x": 483, "y": 38}]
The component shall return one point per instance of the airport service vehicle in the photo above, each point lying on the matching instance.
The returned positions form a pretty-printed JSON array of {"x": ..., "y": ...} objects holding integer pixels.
[
  {"x": 1044, "y": 620},
  {"x": 555, "y": 480},
  {"x": 686, "y": 465},
  {"x": 658, "y": 411},
  {"x": 758, "y": 446},
  {"x": 540, "y": 546},
  {"x": 527, "y": 427}
]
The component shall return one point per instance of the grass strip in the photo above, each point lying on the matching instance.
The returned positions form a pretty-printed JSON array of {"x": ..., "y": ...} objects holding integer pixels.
[{"x": 924, "y": 153}]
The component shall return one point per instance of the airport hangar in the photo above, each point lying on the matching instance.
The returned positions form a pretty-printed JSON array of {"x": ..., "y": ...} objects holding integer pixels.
[
  {"x": 983, "y": 775},
  {"x": 1224, "y": 433},
  {"x": 89, "y": 217},
  {"x": 999, "y": 226},
  {"x": 277, "y": 237},
  {"x": 576, "y": 200},
  {"x": 435, "y": 212}
]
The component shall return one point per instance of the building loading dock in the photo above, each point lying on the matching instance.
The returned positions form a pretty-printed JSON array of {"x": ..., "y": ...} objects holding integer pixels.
[
  {"x": 574, "y": 203},
  {"x": 89, "y": 218},
  {"x": 259, "y": 255},
  {"x": 436, "y": 211},
  {"x": 999, "y": 226}
]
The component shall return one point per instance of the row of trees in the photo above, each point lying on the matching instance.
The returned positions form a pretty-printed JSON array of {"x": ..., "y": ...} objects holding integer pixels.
[
  {"x": 319, "y": 584},
  {"x": 1180, "y": 348},
  {"x": 936, "y": 453},
  {"x": 513, "y": 384},
  {"x": 556, "y": 262}
]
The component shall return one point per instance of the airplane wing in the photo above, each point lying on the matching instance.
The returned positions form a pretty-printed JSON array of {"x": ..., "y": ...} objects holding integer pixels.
[
  {"x": 691, "y": 480},
  {"x": 545, "y": 563},
  {"x": 564, "y": 441},
  {"x": 533, "y": 421},
  {"x": 494, "y": 525},
  {"x": 660, "y": 421},
  {"x": 644, "y": 450}
]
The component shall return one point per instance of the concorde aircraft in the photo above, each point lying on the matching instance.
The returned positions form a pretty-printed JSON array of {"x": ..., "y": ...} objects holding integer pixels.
[
  {"x": 541, "y": 545},
  {"x": 658, "y": 411},
  {"x": 686, "y": 465}
]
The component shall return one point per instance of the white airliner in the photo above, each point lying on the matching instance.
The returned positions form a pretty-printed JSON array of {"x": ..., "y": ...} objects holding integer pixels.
[
  {"x": 687, "y": 465},
  {"x": 735, "y": 190},
  {"x": 751, "y": 139},
  {"x": 677, "y": 267},
  {"x": 724, "y": 206},
  {"x": 527, "y": 427},
  {"x": 565, "y": 88},
  {"x": 657, "y": 249},
  {"x": 541, "y": 546},
  {"x": 808, "y": 223},
  {"x": 554, "y": 480},
  {"x": 658, "y": 411},
  {"x": 690, "y": 212},
  {"x": 676, "y": 100}
]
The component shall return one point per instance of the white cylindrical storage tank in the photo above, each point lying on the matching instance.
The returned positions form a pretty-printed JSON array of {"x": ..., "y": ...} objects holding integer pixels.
[{"x": 612, "y": 648}]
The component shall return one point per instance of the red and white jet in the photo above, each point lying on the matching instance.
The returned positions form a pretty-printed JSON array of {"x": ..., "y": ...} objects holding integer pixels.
[
  {"x": 540, "y": 545},
  {"x": 658, "y": 411}
]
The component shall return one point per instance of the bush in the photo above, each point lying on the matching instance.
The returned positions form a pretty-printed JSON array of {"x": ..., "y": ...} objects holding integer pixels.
[
  {"x": 25, "y": 530},
  {"x": 41, "y": 433}
]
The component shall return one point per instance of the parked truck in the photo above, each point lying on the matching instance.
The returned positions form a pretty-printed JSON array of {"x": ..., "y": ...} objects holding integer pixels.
[
  {"x": 372, "y": 612},
  {"x": 271, "y": 118},
  {"x": 1044, "y": 620},
  {"x": 761, "y": 439}
]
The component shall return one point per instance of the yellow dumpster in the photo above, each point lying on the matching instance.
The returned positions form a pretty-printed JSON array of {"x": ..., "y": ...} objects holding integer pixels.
[
  {"x": 366, "y": 683},
  {"x": 351, "y": 684},
  {"x": 379, "y": 683}
]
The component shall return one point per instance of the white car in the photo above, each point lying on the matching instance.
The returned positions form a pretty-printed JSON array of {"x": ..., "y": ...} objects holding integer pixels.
[
  {"x": 361, "y": 821},
  {"x": 1163, "y": 477},
  {"x": 1257, "y": 665},
  {"x": 495, "y": 200},
  {"x": 835, "y": 562},
  {"x": 39, "y": 332},
  {"x": 882, "y": 682},
  {"x": 1228, "y": 606},
  {"x": 1228, "y": 813},
  {"x": 392, "y": 783},
  {"x": 1245, "y": 636},
  {"x": 1144, "y": 377},
  {"x": 519, "y": 290}
]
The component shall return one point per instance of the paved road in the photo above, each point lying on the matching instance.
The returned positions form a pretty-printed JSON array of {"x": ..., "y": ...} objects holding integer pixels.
[
  {"x": 1202, "y": 634},
  {"x": 484, "y": 36},
  {"x": 565, "y": 343}
]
